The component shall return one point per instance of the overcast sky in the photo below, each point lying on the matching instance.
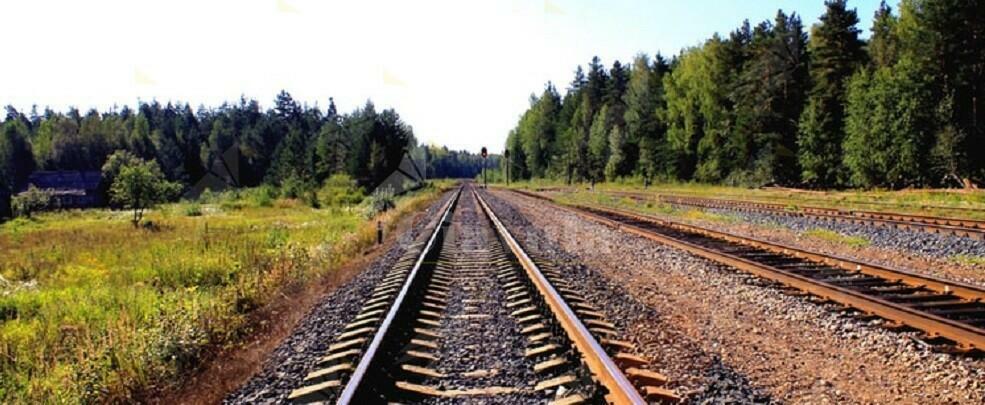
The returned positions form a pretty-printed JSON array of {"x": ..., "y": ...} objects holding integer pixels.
[{"x": 460, "y": 72}]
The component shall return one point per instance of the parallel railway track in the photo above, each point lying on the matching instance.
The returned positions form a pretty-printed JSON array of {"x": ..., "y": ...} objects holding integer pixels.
[
  {"x": 942, "y": 309},
  {"x": 970, "y": 228},
  {"x": 467, "y": 315}
]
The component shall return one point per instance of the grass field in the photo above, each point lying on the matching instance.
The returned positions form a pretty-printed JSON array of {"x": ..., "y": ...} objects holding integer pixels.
[
  {"x": 94, "y": 310},
  {"x": 949, "y": 203}
]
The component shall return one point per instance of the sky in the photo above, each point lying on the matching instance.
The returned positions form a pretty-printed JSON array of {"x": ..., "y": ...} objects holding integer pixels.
[{"x": 459, "y": 72}]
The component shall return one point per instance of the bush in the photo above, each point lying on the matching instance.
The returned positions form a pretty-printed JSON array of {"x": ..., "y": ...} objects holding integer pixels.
[
  {"x": 311, "y": 198},
  {"x": 264, "y": 196},
  {"x": 293, "y": 187},
  {"x": 31, "y": 201},
  {"x": 340, "y": 190},
  {"x": 381, "y": 200},
  {"x": 193, "y": 210}
]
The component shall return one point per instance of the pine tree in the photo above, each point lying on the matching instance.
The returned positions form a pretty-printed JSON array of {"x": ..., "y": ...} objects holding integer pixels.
[
  {"x": 595, "y": 87},
  {"x": 517, "y": 160},
  {"x": 614, "y": 94},
  {"x": 331, "y": 149},
  {"x": 16, "y": 159},
  {"x": 598, "y": 145},
  {"x": 943, "y": 38},
  {"x": 884, "y": 45},
  {"x": 616, "y": 157},
  {"x": 768, "y": 102},
  {"x": 576, "y": 152},
  {"x": 836, "y": 52},
  {"x": 139, "y": 140}
]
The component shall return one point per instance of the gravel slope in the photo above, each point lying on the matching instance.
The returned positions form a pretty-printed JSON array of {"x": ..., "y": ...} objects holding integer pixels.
[
  {"x": 712, "y": 329},
  {"x": 889, "y": 246},
  {"x": 296, "y": 356},
  {"x": 911, "y": 241}
]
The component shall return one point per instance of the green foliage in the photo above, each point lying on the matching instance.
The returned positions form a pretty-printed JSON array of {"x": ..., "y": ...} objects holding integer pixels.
[
  {"x": 115, "y": 163},
  {"x": 836, "y": 52},
  {"x": 16, "y": 160},
  {"x": 82, "y": 323},
  {"x": 768, "y": 105},
  {"x": 381, "y": 200},
  {"x": 598, "y": 145},
  {"x": 884, "y": 45},
  {"x": 837, "y": 238},
  {"x": 645, "y": 146},
  {"x": 698, "y": 111},
  {"x": 193, "y": 210},
  {"x": 340, "y": 191},
  {"x": 444, "y": 163},
  {"x": 32, "y": 201},
  {"x": 617, "y": 158},
  {"x": 139, "y": 186},
  {"x": 769, "y": 96},
  {"x": 888, "y": 132}
]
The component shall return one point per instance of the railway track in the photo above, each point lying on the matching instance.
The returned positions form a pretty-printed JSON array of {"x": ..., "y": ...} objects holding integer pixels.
[
  {"x": 468, "y": 316},
  {"x": 974, "y": 229},
  {"x": 944, "y": 310}
]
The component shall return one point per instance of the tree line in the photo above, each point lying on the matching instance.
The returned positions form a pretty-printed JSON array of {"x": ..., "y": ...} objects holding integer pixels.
[
  {"x": 291, "y": 147},
  {"x": 768, "y": 104}
]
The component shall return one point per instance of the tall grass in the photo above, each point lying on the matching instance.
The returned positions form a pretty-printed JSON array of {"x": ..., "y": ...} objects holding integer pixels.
[
  {"x": 93, "y": 310},
  {"x": 838, "y": 238}
]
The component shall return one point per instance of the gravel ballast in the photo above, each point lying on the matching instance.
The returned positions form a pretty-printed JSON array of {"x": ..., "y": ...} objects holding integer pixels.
[
  {"x": 887, "y": 237},
  {"x": 284, "y": 370},
  {"x": 887, "y": 246},
  {"x": 721, "y": 335}
]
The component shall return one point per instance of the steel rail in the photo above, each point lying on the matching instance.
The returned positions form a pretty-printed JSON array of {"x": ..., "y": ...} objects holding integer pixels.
[
  {"x": 621, "y": 390},
  {"x": 818, "y": 200},
  {"x": 967, "y": 336},
  {"x": 961, "y": 227},
  {"x": 348, "y": 394}
]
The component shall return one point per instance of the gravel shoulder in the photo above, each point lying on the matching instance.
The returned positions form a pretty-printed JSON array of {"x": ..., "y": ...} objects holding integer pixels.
[
  {"x": 295, "y": 356},
  {"x": 917, "y": 251},
  {"x": 721, "y": 335}
]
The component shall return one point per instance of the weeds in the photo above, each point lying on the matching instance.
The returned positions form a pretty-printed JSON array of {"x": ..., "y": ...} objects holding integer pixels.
[
  {"x": 381, "y": 201},
  {"x": 835, "y": 237},
  {"x": 968, "y": 260},
  {"x": 93, "y": 310}
]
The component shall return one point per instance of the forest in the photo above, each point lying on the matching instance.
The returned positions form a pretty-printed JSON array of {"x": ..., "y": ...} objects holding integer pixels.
[
  {"x": 291, "y": 147},
  {"x": 768, "y": 104}
]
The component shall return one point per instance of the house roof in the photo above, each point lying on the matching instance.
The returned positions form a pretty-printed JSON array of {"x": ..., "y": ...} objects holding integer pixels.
[{"x": 66, "y": 180}]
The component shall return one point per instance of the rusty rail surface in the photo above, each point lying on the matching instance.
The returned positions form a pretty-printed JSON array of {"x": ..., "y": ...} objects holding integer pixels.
[
  {"x": 350, "y": 392},
  {"x": 604, "y": 368},
  {"x": 941, "y": 308},
  {"x": 362, "y": 366},
  {"x": 970, "y": 228}
]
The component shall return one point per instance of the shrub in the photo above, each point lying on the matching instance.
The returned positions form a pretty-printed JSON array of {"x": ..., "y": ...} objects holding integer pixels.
[
  {"x": 311, "y": 197},
  {"x": 381, "y": 200},
  {"x": 33, "y": 200},
  {"x": 340, "y": 190},
  {"x": 293, "y": 187},
  {"x": 264, "y": 196},
  {"x": 193, "y": 210}
]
